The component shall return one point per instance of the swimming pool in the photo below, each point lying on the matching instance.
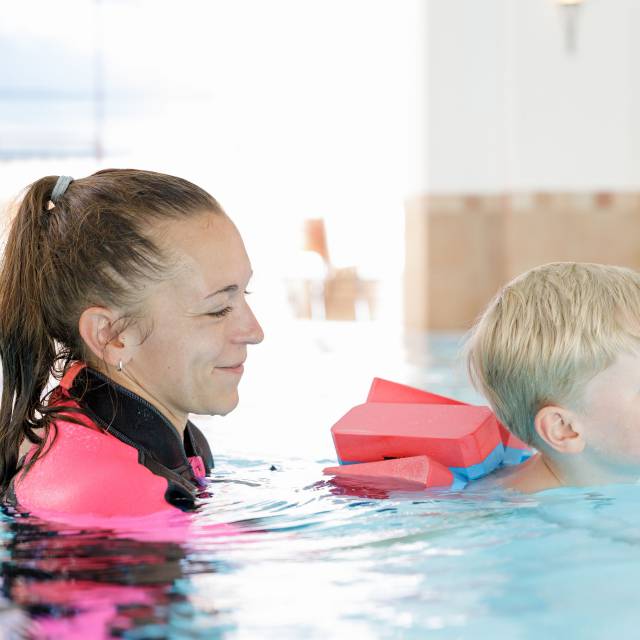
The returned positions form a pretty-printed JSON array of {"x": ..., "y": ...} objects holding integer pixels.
[{"x": 306, "y": 559}]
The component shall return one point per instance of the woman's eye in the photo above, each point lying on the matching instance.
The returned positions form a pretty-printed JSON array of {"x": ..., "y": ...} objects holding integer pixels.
[{"x": 221, "y": 313}]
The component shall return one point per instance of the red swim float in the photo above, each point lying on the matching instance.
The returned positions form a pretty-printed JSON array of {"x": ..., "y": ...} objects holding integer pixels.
[
  {"x": 515, "y": 451},
  {"x": 405, "y": 474},
  {"x": 430, "y": 433}
]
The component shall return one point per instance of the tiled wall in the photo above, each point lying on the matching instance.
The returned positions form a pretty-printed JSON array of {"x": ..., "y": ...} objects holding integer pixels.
[{"x": 461, "y": 248}]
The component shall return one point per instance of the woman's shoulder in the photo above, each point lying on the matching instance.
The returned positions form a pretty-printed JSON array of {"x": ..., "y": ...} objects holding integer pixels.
[{"x": 85, "y": 470}]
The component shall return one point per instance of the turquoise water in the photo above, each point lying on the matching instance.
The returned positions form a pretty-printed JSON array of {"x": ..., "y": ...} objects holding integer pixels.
[
  {"x": 314, "y": 563},
  {"x": 307, "y": 559}
]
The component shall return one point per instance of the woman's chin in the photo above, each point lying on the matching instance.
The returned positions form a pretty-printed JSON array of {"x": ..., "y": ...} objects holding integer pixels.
[
  {"x": 225, "y": 406},
  {"x": 221, "y": 405}
]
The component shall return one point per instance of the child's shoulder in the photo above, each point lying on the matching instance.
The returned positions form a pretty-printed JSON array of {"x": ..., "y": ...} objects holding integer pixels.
[{"x": 530, "y": 476}]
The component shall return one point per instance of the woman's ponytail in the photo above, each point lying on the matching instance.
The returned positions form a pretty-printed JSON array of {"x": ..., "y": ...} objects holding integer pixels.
[{"x": 27, "y": 351}]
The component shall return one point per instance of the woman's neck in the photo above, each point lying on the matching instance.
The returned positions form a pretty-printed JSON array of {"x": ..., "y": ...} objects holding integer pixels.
[{"x": 127, "y": 380}]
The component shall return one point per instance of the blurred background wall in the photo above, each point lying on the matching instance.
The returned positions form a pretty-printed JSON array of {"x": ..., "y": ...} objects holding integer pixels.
[
  {"x": 532, "y": 142},
  {"x": 389, "y": 162}
]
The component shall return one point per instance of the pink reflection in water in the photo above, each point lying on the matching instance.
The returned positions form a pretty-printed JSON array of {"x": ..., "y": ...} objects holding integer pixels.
[{"x": 92, "y": 577}]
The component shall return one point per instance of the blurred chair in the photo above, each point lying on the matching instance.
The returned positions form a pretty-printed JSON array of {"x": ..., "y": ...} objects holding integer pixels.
[{"x": 321, "y": 291}]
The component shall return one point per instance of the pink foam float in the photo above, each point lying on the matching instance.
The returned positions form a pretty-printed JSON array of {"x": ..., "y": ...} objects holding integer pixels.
[
  {"x": 408, "y": 438},
  {"x": 515, "y": 451}
]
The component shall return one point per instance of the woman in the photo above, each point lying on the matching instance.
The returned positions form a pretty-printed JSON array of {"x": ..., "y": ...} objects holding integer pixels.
[{"x": 129, "y": 287}]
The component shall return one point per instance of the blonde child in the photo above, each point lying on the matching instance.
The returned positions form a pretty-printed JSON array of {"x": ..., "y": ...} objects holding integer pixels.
[{"x": 557, "y": 355}]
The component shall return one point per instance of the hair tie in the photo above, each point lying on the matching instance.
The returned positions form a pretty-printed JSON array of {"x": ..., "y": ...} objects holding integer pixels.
[{"x": 61, "y": 186}]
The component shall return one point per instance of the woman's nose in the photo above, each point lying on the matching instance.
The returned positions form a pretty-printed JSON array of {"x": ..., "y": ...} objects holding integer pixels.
[
  {"x": 257, "y": 334},
  {"x": 249, "y": 331}
]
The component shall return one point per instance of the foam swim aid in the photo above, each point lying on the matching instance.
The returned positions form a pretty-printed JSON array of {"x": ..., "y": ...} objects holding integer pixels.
[{"x": 410, "y": 439}]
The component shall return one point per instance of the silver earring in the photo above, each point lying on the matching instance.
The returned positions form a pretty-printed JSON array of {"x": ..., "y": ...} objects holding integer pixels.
[{"x": 120, "y": 366}]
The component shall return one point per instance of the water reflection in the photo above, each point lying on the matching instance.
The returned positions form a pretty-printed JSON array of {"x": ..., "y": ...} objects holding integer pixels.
[{"x": 96, "y": 583}]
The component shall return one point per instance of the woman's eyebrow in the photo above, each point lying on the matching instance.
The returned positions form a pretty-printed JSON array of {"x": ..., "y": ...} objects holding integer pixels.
[
  {"x": 228, "y": 289},
  {"x": 231, "y": 288}
]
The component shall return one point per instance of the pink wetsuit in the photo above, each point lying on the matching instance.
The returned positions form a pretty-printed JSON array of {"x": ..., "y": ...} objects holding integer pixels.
[{"x": 125, "y": 459}]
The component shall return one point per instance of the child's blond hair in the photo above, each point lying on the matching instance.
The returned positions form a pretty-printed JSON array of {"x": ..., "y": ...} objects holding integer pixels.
[{"x": 547, "y": 333}]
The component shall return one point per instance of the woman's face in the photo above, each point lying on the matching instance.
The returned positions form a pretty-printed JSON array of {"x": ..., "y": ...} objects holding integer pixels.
[{"x": 199, "y": 322}]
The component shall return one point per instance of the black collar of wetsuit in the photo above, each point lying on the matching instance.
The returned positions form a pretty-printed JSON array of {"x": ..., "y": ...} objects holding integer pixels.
[{"x": 136, "y": 422}]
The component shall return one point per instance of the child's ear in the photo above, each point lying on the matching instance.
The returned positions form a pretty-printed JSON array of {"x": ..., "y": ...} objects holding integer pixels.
[{"x": 559, "y": 429}]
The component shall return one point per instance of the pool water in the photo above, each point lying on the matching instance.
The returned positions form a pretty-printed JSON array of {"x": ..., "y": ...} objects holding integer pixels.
[{"x": 279, "y": 551}]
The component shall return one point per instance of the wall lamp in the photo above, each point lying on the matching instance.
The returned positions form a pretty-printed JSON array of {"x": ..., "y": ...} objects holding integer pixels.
[{"x": 570, "y": 10}]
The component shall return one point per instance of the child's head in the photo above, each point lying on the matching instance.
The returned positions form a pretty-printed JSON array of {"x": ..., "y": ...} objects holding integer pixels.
[{"x": 546, "y": 339}]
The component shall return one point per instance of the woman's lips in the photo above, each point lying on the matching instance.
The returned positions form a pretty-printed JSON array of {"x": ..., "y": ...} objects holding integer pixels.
[{"x": 237, "y": 369}]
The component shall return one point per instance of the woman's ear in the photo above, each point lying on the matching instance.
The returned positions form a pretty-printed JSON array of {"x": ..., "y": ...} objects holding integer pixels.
[
  {"x": 97, "y": 327},
  {"x": 560, "y": 429}
]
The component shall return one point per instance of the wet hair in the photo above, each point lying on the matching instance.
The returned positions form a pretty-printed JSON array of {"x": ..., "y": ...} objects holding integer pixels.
[
  {"x": 94, "y": 247},
  {"x": 549, "y": 332}
]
